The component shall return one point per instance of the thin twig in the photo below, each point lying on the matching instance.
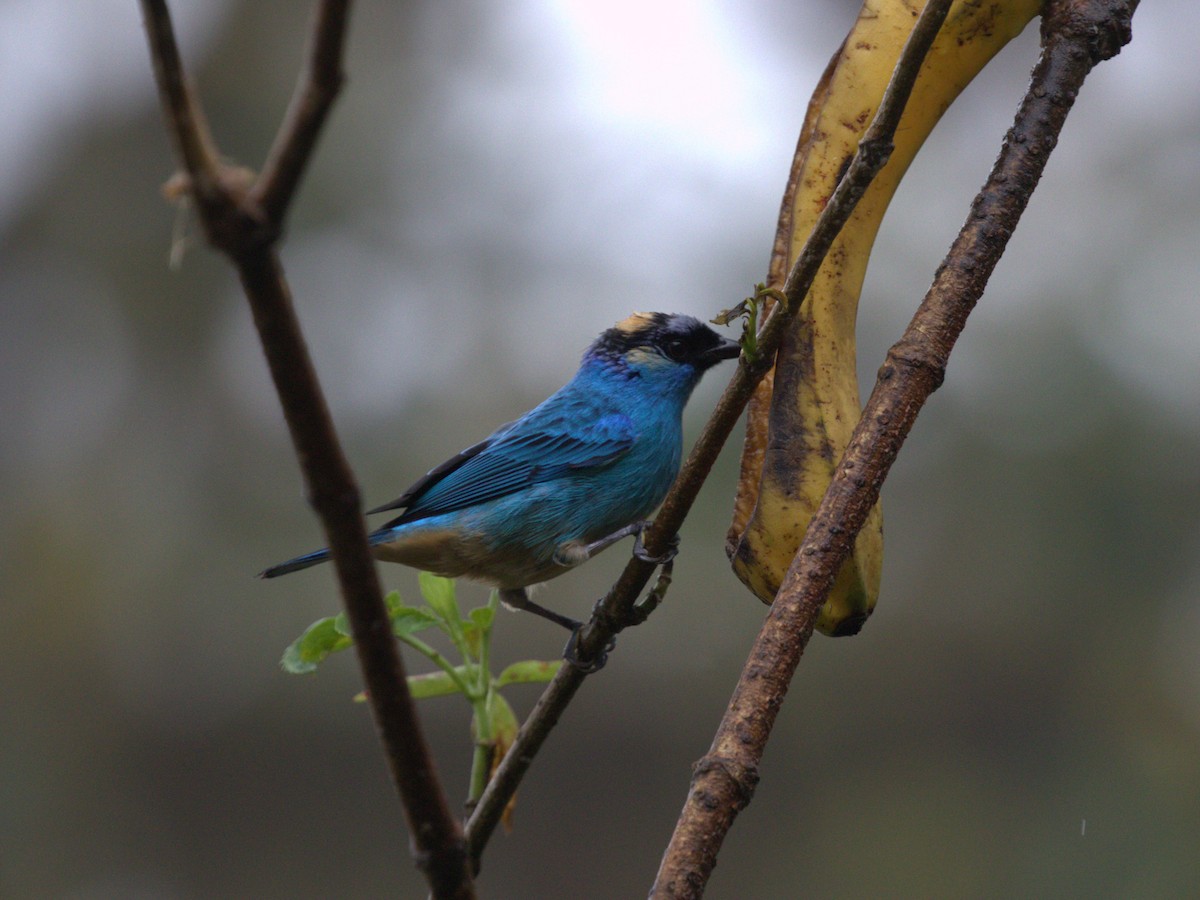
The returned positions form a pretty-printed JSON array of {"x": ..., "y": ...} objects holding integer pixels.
[
  {"x": 1076, "y": 35},
  {"x": 185, "y": 120},
  {"x": 247, "y": 232},
  {"x": 316, "y": 90},
  {"x": 615, "y": 611}
]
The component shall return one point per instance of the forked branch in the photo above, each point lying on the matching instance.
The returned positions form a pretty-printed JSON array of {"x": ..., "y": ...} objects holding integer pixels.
[{"x": 244, "y": 218}]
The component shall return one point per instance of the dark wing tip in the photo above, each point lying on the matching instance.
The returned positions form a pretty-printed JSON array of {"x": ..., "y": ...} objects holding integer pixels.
[{"x": 437, "y": 473}]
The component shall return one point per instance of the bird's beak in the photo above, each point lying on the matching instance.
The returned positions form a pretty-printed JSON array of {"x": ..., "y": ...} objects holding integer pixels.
[{"x": 727, "y": 349}]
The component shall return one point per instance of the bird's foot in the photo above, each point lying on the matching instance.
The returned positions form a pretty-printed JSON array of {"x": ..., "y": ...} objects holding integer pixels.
[
  {"x": 587, "y": 667},
  {"x": 639, "y": 549}
]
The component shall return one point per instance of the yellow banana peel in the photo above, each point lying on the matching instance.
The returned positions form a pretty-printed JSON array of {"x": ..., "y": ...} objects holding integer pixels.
[{"x": 801, "y": 418}]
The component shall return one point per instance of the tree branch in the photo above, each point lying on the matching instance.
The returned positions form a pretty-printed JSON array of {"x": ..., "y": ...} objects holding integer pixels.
[
  {"x": 246, "y": 231},
  {"x": 1076, "y": 35},
  {"x": 616, "y": 610}
]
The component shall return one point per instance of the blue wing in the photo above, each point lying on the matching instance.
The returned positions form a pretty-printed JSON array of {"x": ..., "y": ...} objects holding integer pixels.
[{"x": 513, "y": 458}]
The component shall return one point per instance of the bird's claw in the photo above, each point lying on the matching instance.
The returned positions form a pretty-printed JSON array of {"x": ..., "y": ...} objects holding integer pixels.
[
  {"x": 639, "y": 550},
  {"x": 571, "y": 653}
]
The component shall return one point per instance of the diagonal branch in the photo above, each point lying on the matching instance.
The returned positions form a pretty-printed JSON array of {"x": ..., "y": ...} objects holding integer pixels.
[
  {"x": 237, "y": 225},
  {"x": 615, "y": 611},
  {"x": 1076, "y": 35}
]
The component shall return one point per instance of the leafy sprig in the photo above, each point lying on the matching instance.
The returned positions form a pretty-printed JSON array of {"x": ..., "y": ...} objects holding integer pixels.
[{"x": 493, "y": 722}]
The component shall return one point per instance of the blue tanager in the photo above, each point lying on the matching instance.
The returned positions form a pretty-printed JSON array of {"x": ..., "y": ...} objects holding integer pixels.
[{"x": 572, "y": 476}]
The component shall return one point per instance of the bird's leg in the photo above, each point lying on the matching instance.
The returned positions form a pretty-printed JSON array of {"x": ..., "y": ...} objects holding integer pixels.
[
  {"x": 609, "y": 539},
  {"x": 518, "y": 598},
  {"x": 639, "y": 613},
  {"x": 576, "y": 554},
  {"x": 635, "y": 528},
  {"x": 572, "y": 554}
]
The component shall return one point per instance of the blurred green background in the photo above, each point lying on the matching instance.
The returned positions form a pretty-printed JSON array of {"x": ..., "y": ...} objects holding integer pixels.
[{"x": 500, "y": 182}]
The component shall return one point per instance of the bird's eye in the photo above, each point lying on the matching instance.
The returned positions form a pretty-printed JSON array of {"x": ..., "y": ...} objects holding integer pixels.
[{"x": 675, "y": 349}]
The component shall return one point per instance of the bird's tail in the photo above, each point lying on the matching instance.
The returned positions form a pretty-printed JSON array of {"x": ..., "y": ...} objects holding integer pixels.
[
  {"x": 295, "y": 565},
  {"x": 382, "y": 536}
]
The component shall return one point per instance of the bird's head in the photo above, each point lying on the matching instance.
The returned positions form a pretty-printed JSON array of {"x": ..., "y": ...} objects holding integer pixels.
[{"x": 671, "y": 350}]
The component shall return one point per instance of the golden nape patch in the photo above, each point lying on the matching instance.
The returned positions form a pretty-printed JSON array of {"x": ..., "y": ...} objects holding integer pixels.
[{"x": 639, "y": 321}]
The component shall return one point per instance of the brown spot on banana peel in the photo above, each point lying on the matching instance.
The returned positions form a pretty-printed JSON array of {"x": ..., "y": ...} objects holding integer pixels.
[{"x": 754, "y": 447}]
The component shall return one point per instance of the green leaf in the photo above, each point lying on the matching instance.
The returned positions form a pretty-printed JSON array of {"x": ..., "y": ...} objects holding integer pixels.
[
  {"x": 392, "y": 601},
  {"x": 341, "y": 624},
  {"x": 503, "y": 720},
  {"x": 408, "y": 620},
  {"x": 483, "y": 616},
  {"x": 319, "y": 640},
  {"x": 529, "y": 671},
  {"x": 476, "y": 627},
  {"x": 472, "y": 637},
  {"x": 439, "y": 594},
  {"x": 436, "y": 684}
]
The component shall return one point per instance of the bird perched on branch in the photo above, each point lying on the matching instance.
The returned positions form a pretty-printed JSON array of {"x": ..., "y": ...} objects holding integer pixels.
[{"x": 566, "y": 480}]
